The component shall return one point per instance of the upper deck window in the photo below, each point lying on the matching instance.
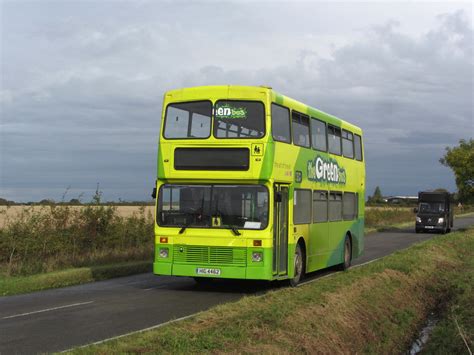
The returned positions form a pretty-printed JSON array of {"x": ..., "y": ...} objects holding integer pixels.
[
  {"x": 347, "y": 144},
  {"x": 318, "y": 132},
  {"x": 334, "y": 138},
  {"x": 239, "y": 119},
  {"x": 300, "y": 129},
  {"x": 358, "y": 147},
  {"x": 188, "y": 120},
  {"x": 281, "y": 123}
]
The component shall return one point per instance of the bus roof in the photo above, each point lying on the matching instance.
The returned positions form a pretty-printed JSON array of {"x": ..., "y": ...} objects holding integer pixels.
[{"x": 248, "y": 91}]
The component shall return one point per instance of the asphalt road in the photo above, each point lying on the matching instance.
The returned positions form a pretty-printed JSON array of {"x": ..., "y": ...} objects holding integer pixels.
[{"x": 60, "y": 319}]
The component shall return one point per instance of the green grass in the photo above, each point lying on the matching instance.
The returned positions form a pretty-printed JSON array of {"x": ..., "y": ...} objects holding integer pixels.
[
  {"x": 379, "y": 219},
  {"x": 68, "y": 277},
  {"x": 383, "y": 217},
  {"x": 375, "y": 308},
  {"x": 457, "y": 317}
]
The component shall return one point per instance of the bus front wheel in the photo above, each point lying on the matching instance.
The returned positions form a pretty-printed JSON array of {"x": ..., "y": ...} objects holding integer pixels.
[
  {"x": 347, "y": 254},
  {"x": 298, "y": 266}
]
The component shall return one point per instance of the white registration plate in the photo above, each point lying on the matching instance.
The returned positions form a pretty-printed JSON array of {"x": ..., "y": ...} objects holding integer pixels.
[
  {"x": 207, "y": 271},
  {"x": 429, "y": 227}
]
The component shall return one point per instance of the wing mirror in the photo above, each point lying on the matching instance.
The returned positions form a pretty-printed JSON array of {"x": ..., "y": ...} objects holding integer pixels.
[{"x": 415, "y": 210}]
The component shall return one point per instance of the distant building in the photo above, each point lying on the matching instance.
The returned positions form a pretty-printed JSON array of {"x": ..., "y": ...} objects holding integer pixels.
[{"x": 400, "y": 199}]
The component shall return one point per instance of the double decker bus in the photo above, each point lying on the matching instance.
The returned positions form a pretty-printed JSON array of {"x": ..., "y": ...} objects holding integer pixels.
[{"x": 254, "y": 185}]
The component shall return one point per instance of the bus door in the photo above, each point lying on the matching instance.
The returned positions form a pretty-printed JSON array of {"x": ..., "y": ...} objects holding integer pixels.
[{"x": 280, "y": 230}]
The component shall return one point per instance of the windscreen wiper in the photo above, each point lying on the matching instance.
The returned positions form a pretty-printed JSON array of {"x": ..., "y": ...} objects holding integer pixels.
[
  {"x": 231, "y": 227},
  {"x": 186, "y": 225},
  {"x": 183, "y": 228},
  {"x": 234, "y": 230}
]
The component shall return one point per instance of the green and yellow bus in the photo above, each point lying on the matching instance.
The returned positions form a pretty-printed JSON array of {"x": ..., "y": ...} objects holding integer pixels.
[{"x": 254, "y": 185}]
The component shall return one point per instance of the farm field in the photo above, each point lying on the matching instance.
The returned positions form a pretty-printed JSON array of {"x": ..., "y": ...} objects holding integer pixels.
[
  {"x": 12, "y": 212},
  {"x": 39, "y": 239}
]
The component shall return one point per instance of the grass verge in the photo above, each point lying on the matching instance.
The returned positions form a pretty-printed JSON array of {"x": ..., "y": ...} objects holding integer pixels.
[
  {"x": 375, "y": 308},
  {"x": 69, "y": 277},
  {"x": 454, "y": 333},
  {"x": 408, "y": 221}
]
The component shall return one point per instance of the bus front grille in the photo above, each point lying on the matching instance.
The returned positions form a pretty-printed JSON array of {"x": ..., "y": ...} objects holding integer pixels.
[{"x": 190, "y": 254}]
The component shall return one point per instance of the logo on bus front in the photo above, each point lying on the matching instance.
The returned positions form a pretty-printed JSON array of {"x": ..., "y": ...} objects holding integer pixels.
[
  {"x": 228, "y": 111},
  {"x": 326, "y": 169}
]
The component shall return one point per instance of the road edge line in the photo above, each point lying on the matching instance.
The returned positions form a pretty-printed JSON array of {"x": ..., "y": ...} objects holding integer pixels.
[{"x": 131, "y": 333}]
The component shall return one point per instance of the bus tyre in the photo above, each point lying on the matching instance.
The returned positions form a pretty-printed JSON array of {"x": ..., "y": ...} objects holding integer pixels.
[
  {"x": 347, "y": 255},
  {"x": 298, "y": 266}
]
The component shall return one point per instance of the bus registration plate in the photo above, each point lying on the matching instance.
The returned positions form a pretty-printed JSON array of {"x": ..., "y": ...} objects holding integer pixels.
[{"x": 206, "y": 271}]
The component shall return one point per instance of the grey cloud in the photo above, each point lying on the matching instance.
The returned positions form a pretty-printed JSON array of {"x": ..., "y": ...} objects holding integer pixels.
[{"x": 83, "y": 104}]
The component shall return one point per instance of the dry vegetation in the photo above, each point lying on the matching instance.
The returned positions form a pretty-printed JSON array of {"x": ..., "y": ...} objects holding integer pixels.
[
  {"x": 37, "y": 239},
  {"x": 8, "y": 213},
  {"x": 48, "y": 238}
]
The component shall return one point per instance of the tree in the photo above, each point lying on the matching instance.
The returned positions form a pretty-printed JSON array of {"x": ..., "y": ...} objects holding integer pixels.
[
  {"x": 461, "y": 161},
  {"x": 96, "y": 199},
  {"x": 5, "y": 202},
  {"x": 377, "y": 196}
]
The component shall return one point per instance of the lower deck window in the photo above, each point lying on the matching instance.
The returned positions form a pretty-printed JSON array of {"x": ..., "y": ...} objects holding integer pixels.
[
  {"x": 335, "y": 206},
  {"x": 320, "y": 206},
  {"x": 302, "y": 206},
  {"x": 349, "y": 206}
]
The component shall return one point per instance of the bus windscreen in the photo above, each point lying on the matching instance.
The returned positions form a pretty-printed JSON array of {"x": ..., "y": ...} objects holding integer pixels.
[
  {"x": 239, "y": 119},
  {"x": 188, "y": 120},
  {"x": 218, "y": 206}
]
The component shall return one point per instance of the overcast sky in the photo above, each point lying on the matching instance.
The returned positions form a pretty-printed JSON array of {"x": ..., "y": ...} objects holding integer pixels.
[{"x": 82, "y": 83}]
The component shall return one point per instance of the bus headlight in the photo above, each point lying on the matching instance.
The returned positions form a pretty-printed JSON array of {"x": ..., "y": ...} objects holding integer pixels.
[
  {"x": 163, "y": 252},
  {"x": 257, "y": 256},
  {"x": 440, "y": 220},
  {"x": 418, "y": 219}
]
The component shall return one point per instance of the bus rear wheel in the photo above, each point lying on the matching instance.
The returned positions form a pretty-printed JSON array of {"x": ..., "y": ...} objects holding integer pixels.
[
  {"x": 298, "y": 266},
  {"x": 347, "y": 255}
]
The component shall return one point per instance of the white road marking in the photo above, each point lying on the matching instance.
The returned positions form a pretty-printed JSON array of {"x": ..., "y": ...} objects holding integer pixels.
[
  {"x": 368, "y": 262},
  {"x": 134, "y": 332},
  {"x": 337, "y": 272},
  {"x": 48, "y": 310},
  {"x": 188, "y": 316}
]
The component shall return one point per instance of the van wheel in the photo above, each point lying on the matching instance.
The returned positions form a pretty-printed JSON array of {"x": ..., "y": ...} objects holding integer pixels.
[
  {"x": 347, "y": 255},
  {"x": 298, "y": 266}
]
